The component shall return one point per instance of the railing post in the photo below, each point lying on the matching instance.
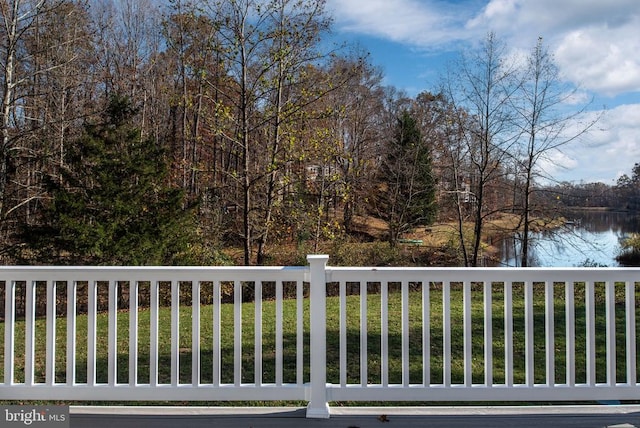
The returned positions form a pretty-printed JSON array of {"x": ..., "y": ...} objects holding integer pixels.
[{"x": 318, "y": 406}]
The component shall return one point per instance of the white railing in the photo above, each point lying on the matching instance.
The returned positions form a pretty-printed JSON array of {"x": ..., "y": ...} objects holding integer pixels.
[
  {"x": 83, "y": 374},
  {"x": 421, "y": 334}
]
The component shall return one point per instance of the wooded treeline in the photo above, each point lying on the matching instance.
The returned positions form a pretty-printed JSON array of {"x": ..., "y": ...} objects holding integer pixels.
[
  {"x": 623, "y": 195},
  {"x": 138, "y": 132}
]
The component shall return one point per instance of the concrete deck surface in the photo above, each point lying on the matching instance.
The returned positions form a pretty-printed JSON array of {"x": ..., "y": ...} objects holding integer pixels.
[{"x": 599, "y": 416}]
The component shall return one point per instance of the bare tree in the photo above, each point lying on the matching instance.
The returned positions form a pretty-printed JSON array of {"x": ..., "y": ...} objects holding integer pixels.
[
  {"x": 545, "y": 124},
  {"x": 18, "y": 17},
  {"x": 480, "y": 89},
  {"x": 127, "y": 41},
  {"x": 31, "y": 65},
  {"x": 357, "y": 130}
]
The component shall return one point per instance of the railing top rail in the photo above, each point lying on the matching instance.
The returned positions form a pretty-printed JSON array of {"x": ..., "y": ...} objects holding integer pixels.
[
  {"x": 482, "y": 269},
  {"x": 333, "y": 273},
  {"x": 124, "y": 273},
  {"x": 497, "y": 274},
  {"x": 149, "y": 268}
]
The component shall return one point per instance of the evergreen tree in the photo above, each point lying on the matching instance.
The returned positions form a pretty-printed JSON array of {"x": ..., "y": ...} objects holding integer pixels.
[
  {"x": 406, "y": 196},
  {"x": 111, "y": 202}
]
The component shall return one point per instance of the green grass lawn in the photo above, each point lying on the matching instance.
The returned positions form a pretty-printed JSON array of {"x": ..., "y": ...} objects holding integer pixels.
[{"x": 353, "y": 338}]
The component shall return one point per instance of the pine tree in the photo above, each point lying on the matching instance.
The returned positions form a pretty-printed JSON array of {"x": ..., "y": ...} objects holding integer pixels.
[
  {"x": 111, "y": 202},
  {"x": 406, "y": 196}
]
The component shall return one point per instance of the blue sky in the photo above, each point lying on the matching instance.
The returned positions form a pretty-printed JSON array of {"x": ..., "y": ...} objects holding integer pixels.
[{"x": 596, "y": 44}]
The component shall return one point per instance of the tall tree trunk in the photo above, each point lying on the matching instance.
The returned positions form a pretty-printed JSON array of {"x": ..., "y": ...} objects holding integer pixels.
[
  {"x": 526, "y": 220},
  {"x": 244, "y": 131},
  {"x": 11, "y": 24},
  {"x": 275, "y": 146}
]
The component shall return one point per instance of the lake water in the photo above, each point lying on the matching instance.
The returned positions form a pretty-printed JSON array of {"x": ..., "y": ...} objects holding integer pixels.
[{"x": 591, "y": 238}]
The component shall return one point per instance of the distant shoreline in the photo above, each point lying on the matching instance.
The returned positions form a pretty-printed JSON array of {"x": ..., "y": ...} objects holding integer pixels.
[{"x": 599, "y": 209}]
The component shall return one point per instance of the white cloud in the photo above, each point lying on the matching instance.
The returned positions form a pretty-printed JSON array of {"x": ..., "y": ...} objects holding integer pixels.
[
  {"x": 577, "y": 98},
  {"x": 549, "y": 17},
  {"x": 596, "y": 42},
  {"x": 612, "y": 146},
  {"x": 419, "y": 23},
  {"x": 557, "y": 163},
  {"x": 602, "y": 60}
]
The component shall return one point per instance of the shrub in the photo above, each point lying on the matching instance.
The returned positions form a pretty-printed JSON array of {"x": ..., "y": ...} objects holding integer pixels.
[{"x": 629, "y": 254}]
